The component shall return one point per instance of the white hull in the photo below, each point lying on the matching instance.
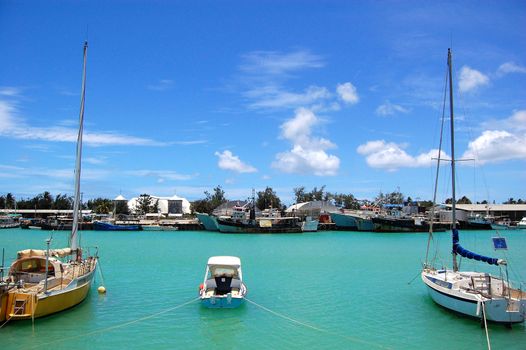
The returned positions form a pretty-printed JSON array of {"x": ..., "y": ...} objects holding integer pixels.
[
  {"x": 464, "y": 293},
  {"x": 222, "y": 302}
]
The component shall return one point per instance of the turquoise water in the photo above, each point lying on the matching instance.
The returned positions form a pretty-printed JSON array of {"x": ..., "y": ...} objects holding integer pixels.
[{"x": 326, "y": 290}]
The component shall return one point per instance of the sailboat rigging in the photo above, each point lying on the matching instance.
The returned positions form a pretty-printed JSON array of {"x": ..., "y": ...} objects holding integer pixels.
[
  {"x": 43, "y": 282},
  {"x": 471, "y": 293}
]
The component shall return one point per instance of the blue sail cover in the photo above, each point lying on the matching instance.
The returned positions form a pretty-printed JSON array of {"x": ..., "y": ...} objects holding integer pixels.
[{"x": 470, "y": 255}]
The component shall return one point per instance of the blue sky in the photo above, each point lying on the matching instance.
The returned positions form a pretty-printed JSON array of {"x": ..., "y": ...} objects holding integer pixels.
[{"x": 185, "y": 96}]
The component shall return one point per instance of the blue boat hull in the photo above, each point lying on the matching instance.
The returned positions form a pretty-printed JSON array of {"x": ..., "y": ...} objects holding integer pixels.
[{"x": 105, "y": 226}]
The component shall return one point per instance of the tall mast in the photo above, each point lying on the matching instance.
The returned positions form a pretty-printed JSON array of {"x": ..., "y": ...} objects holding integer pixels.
[
  {"x": 452, "y": 123},
  {"x": 76, "y": 203}
]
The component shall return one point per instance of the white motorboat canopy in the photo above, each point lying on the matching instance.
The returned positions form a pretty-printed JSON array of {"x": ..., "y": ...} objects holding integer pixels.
[
  {"x": 223, "y": 266},
  {"x": 233, "y": 261}
]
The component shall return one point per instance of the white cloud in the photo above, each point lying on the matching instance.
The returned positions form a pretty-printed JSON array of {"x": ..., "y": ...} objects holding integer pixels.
[
  {"x": 228, "y": 161},
  {"x": 14, "y": 127},
  {"x": 162, "y": 175},
  {"x": 392, "y": 156},
  {"x": 514, "y": 124},
  {"x": 389, "y": 108},
  {"x": 277, "y": 63},
  {"x": 9, "y": 91},
  {"x": 308, "y": 153},
  {"x": 189, "y": 143},
  {"x": 161, "y": 85},
  {"x": 274, "y": 97},
  {"x": 347, "y": 92},
  {"x": 497, "y": 145},
  {"x": 471, "y": 79},
  {"x": 510, "y": 67}
]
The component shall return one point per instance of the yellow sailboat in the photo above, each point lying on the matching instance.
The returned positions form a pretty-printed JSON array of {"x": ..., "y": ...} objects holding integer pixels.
[{"x": 43, "y": 282}]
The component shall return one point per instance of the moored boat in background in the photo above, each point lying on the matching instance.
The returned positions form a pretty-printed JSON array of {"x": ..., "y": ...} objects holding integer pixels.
[{"x": 108, "y": 226}]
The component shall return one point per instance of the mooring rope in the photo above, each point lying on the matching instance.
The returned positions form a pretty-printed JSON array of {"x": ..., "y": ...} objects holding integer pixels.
[
  {"x": 482, "y": 303},
  {"x": 120, "y": 325},
  {"x": 321, "y": 330}
]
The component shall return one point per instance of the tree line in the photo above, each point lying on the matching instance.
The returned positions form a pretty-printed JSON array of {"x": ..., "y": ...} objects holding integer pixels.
[
  {"x": 264, "y": 199},
  {"x": 145, "y": 204}
]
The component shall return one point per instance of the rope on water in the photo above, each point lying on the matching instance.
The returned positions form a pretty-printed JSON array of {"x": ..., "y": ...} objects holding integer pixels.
[
  {"x": 285, "y": 317},
  {"x": 121, "y": 325},
  {"x": 100, "y": 272}
]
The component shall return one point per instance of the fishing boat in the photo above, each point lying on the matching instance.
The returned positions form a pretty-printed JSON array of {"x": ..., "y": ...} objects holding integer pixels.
[
  {"x": 223, "y": 285},
  {"x": 244, "y": 220},
  {"x": 7, "y": 221},
  {"x": 108, "y": 226},
  {"x": 208, "y": 221},
  {"x": 43, "y": 282},
  {"x": 387, "y": 223},
  {"x": 476, "y": 294}
]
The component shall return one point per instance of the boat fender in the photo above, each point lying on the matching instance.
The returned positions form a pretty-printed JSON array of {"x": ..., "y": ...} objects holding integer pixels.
[{"x": 201, "y": 287}]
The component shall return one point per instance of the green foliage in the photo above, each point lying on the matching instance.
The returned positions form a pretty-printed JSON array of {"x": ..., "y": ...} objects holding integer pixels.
[
  {"x": 346, "y": 201},
  {"x": 395, "y": 197},
  {"x": 267, "y": 199},
  {"x": 464, "y": 200},
  {"x": 121, "y": 207},
  {"x": 63, "y": 202},
  {"x": 314, "y": 195},
  {"x": 513, "y": 201},
  {"x": 211, "y": 201},
  {"x": 146, "y": 204},
  {"x": 100, "y": 205}
]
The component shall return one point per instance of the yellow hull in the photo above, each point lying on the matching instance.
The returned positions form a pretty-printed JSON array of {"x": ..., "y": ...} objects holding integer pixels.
[
  {"x": 23, "y": 306},
  {"x": 3, "y": 306}
]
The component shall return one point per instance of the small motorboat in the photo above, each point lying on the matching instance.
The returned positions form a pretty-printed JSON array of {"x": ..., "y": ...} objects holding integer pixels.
[{"x": 223, "y": 285}]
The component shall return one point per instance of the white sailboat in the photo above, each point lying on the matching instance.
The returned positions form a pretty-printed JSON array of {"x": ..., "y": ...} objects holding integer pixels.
[
  {"x": 475, "y": 294},
  {"x": 43, "y": 282}
]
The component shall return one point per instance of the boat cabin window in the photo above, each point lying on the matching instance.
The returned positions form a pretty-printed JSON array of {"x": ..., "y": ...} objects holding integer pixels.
[{"x": 34, "y": 266}]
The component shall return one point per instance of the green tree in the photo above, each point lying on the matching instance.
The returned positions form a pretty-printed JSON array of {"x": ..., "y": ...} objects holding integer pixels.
[
  {"x": 217, "y": 198},
  {"x": 299, "y": 193},
  {"x": 63, "y": 201},
  {"x": 121, "y": 207},
  {"x": 395, "y": 197},
  {"x": 346, "y": 201},
  {"x": 144, "y": 204},
  {"x": 9, "y": 201},
  {"x": 44, "y": 200},
  {"x": 100, "y": 205},
  {"x": 464, "y": 200},
  {"x": 268, "y": 198},
  {"x": 208, "y": 204},
  {"x": 201, "y": 206}
]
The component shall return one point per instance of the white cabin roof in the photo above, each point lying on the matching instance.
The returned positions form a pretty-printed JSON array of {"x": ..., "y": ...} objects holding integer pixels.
[{"x": 224, "y": 260}]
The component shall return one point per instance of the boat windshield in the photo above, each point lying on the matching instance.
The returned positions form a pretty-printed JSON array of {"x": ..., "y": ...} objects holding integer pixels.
[{"x": 223, "y": 271}]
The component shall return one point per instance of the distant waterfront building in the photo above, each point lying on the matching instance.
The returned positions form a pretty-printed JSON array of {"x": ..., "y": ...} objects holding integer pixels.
[
  {"x": 314, "y": 208},
  {"x": 168, "y": 206},
  {"x": 514, "y": 212}
]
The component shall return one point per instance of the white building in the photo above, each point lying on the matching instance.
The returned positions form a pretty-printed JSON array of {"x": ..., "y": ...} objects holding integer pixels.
[{"x": 168, "y": 206}]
